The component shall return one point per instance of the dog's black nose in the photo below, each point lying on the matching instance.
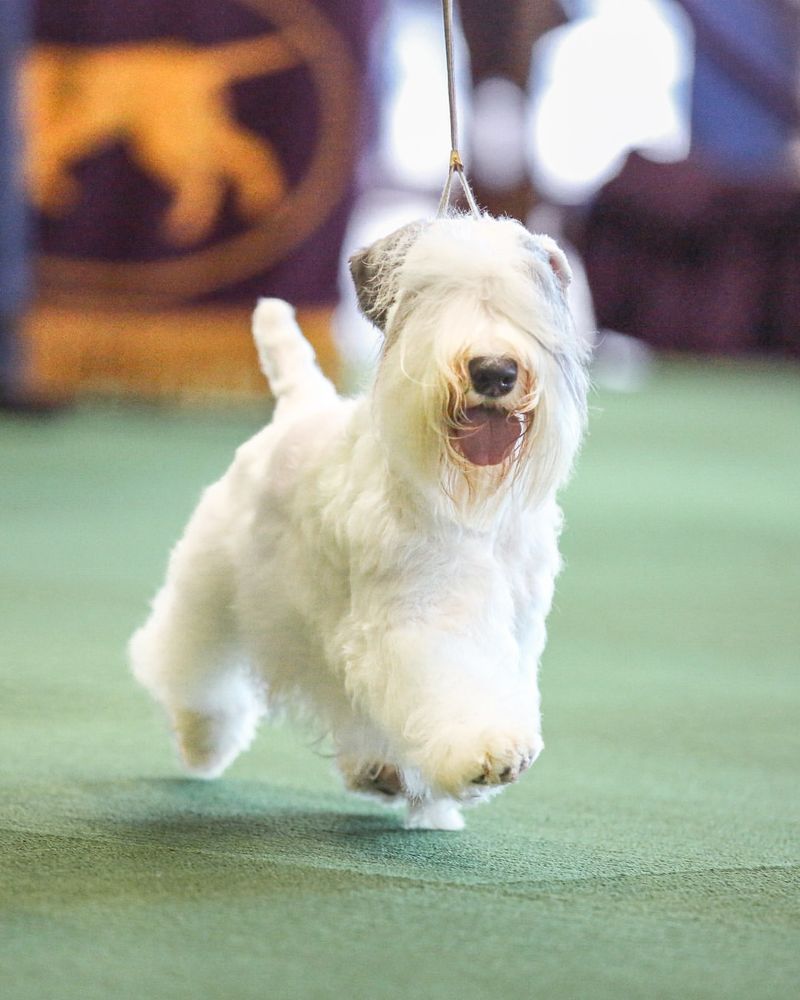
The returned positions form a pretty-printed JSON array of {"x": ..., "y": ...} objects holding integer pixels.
[{"x": 493, "y": 376}]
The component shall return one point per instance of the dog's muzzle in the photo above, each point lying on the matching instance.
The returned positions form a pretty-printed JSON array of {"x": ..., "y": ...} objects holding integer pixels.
[
  {"x": 493, "y": 377},
  {"x": 486, "y": 434}
]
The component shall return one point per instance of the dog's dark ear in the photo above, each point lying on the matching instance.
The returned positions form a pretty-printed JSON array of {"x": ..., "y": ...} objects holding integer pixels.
[
  {"x": 364, "y": 272},
  {"x": 374, "y": 271}
]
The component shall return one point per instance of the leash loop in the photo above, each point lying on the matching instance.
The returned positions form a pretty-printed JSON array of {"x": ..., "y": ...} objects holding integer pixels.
[{"x": 456, "y": 163}]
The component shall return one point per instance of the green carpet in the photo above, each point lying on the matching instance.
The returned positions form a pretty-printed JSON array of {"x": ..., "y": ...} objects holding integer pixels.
[{"x": 652, "y": 851}]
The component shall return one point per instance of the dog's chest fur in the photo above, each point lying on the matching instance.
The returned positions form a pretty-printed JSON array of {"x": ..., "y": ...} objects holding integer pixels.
[{"x": 326, "y": 527}]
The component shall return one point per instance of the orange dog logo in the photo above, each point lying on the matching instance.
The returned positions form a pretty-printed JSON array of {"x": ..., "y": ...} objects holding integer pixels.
[{"x": 169, "y": 103}]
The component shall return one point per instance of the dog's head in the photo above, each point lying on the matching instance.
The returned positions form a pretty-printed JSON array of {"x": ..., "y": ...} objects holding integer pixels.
[{"x": 482, "y": 383}]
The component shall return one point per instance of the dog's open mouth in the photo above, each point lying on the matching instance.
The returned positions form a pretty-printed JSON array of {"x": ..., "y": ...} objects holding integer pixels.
[{"x": 485, "y": 436}]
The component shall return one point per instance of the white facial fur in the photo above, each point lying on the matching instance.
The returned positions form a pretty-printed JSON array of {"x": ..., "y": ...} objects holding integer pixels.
[{"x": 465, "y": 289}]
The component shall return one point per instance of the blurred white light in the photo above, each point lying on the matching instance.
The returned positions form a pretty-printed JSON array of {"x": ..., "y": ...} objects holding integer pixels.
[
  {"x": 416, "y": 127},
  {"x": 497, "y": 152},
  {"x": 614, "y": 81}
]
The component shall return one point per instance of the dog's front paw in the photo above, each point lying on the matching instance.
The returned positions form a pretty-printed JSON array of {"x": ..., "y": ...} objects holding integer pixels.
[
  {"x": 488, "y": 764},
  {"x": 505, "y": 766}
]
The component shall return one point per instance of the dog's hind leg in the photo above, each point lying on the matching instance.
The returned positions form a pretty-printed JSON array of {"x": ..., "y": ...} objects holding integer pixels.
[
  {"x": 185, "y": 656},
  {"x": 288, "y": 360},
  {"x": 181, "y": 656}
]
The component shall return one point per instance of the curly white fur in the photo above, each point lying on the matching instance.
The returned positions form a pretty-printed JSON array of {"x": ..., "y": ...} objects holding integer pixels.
[{"x": 353, "y": 564}]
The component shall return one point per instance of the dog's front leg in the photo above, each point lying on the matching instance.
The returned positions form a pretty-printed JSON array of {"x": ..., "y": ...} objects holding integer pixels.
[{"x": 459, "y": 709}]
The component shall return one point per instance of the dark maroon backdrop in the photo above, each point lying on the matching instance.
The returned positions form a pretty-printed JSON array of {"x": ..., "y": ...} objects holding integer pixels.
[
  {"x": 688, "y": 261},
  {"x": 118, "y": 216}
]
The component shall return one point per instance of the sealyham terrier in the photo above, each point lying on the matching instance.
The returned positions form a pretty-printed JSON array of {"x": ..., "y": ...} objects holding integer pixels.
[{"x": 386, "y": 564}]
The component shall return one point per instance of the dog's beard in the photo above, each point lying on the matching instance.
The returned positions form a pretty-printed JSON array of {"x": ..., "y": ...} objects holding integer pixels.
[
  {"x": 473, "y": 452},
  {"x": 483, "y": 446}
]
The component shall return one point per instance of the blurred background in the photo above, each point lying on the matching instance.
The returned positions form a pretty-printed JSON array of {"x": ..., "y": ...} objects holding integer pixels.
[{"x": 164, "y": 164}]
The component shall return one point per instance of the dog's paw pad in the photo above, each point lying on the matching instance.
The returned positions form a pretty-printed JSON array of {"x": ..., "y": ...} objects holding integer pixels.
[
  {"x": 383, "y": 779},
  {"x": 505, "y": 769}
]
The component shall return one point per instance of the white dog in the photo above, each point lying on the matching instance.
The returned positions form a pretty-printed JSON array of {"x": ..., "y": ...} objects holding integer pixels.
[{"x": 387, "y": 563}]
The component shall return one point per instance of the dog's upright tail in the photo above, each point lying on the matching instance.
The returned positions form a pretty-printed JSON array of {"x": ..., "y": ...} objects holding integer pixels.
[{"x": 287, "y": 358}]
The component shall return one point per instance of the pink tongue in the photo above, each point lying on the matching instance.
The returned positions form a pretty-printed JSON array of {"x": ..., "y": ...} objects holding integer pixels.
[{"x": 485, "y": 437}]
